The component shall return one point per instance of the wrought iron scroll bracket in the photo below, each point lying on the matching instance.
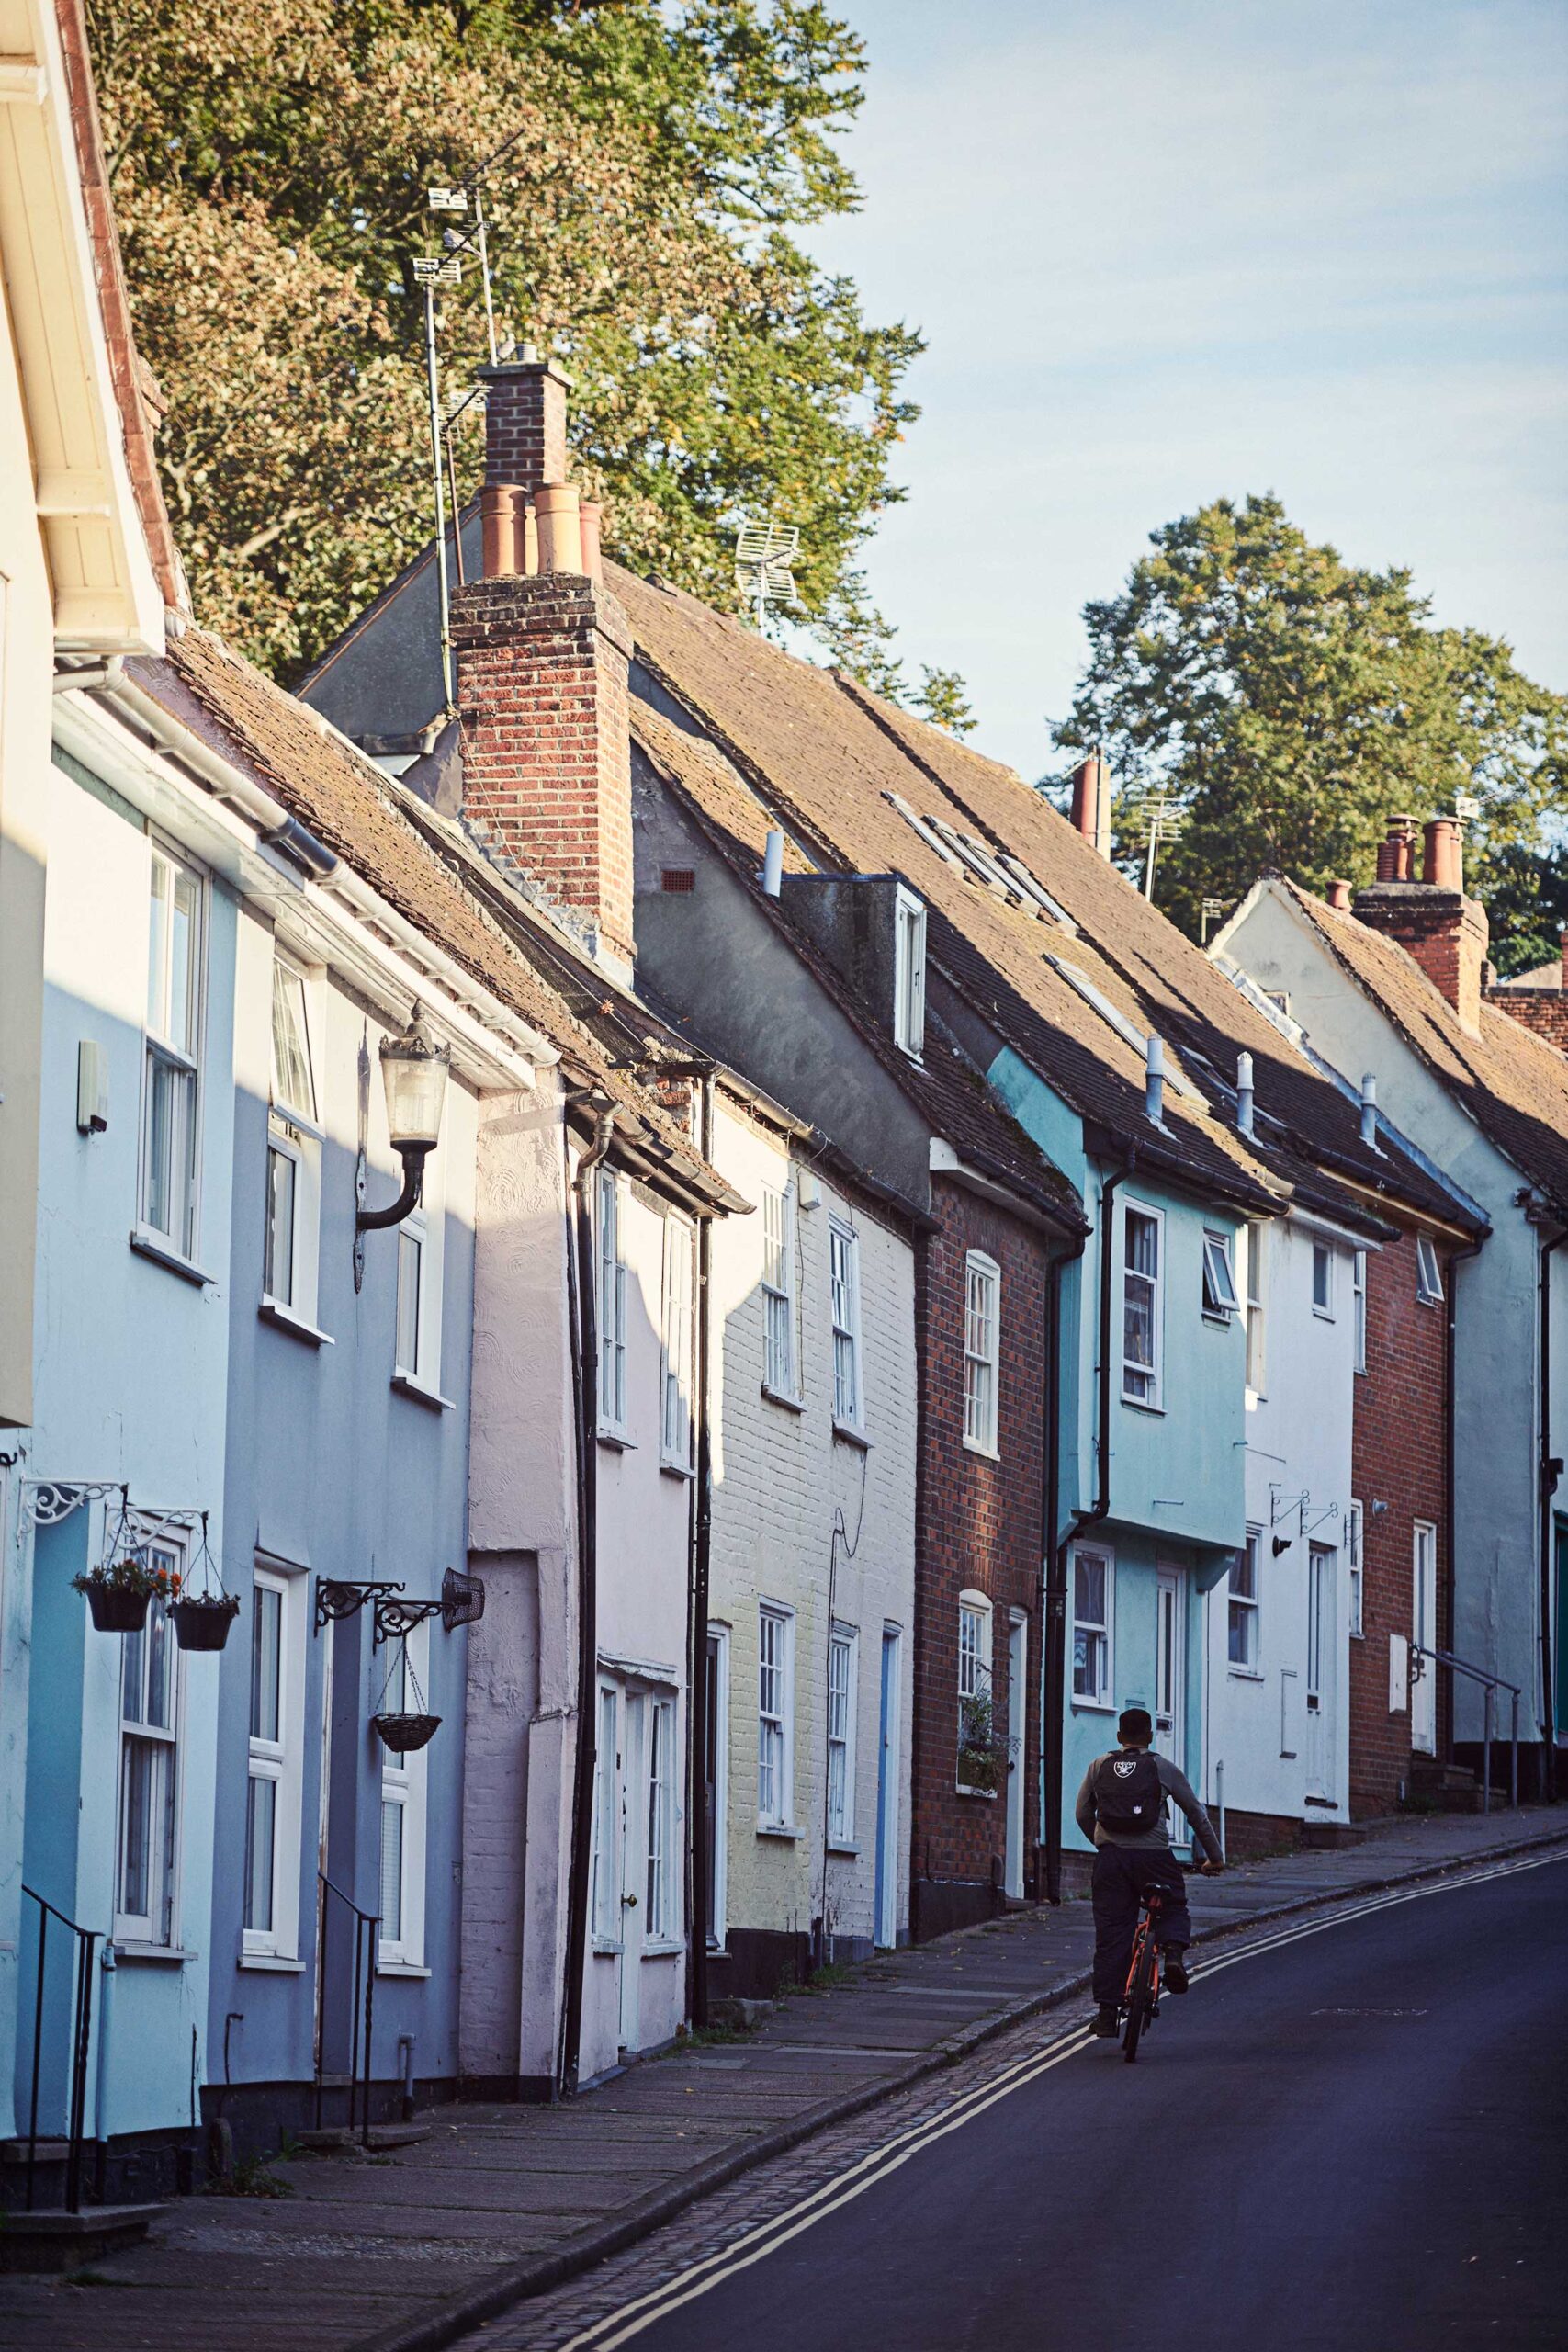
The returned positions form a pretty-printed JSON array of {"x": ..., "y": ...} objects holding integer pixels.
[
  {"x": 462, "y": 1603},
  {"x": 46, "y": 1502},
  {"x": 336, "y": 1598}
]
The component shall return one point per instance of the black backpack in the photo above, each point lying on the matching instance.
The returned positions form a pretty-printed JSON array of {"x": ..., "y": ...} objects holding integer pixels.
[{"x": 1128, "y": 1796}]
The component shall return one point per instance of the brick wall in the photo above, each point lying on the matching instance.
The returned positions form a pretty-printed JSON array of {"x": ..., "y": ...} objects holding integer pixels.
[
  {"x": 524, "y": 422},
  {"x": 1398, "y": 1454},
  {"x": 978, "y": 1526},
  {"x": 1543, "y": 1009},
  {"x": 542, "y": 666},
  {"x": 1445, "y": 932}
]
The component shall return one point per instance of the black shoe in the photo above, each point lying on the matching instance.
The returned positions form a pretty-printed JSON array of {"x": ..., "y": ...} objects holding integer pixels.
[
  {"x": 1103, "y": 2023},
  {"x": 1174, "y": 1970}
]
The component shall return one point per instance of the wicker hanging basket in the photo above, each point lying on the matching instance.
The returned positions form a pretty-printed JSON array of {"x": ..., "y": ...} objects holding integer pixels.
[
  {"x": 404, "y": 1734},
  {"x": 116, "y": 1608},
  {"x": 203, "y": 1622}
]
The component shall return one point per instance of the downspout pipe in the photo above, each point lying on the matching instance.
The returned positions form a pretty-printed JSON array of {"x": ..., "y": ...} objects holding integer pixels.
[
  {"x": 585, "y": 1386},
  {"x": 1550, "y": 1471},
  {"x": 1110, "y": 1185},
  {"x": 1053, "y": 1611},
  {"x": 702, "y": 1560},
  {"x": 1450, "y": 1441}
]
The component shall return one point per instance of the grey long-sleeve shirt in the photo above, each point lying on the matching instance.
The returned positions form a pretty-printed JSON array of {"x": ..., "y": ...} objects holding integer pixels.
[{"x": 1175, "y": 1783}]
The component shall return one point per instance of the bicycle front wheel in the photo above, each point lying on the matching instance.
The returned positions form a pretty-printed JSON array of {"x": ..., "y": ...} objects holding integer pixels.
[{"x": 1140, "y": 1998}]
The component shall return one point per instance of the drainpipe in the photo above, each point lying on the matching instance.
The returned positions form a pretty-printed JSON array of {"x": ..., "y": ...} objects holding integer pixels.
[
  {"x": 702, "y": 1553},
  {"x": 1087, "y": 1519},
  {"x": 1054, "y": 1601},
  {"x": 1549, "y": 1477},
  {"x": 584, "y": 1380},
  {"x": 1450, "y": 1508}
]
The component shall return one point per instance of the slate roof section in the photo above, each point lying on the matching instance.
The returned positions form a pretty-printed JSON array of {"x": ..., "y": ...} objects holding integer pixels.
[
  {"x": 348, "y": 803},
  {"x": 824, "y": 756},
  {"x": 945, "y": 1086},
  {"x": 1509, "y": 1081}
]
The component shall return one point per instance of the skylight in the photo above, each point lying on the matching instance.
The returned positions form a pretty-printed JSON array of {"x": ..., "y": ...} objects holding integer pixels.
[{"x": 1005, "y": 876}]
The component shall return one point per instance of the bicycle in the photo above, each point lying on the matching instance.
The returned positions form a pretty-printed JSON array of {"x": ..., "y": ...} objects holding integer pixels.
[{"x": 1140, "y": 1999}]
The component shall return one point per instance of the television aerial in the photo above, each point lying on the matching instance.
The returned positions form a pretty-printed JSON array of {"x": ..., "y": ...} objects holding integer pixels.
[{"x": 763, "y": 554}]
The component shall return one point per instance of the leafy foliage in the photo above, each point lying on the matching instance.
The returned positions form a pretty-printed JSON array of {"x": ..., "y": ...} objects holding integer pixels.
[
  {"x": 944, "y": 700},
  {"x": 1288, "y": 703},
  {"x": 270, "y": 161}
]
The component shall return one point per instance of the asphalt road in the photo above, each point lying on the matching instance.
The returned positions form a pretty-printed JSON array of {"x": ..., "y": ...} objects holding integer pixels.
[{"x": 1355, "y": 2138}]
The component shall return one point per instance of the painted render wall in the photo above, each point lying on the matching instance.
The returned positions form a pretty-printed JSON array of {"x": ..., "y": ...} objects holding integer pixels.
[
  {"x": 821, "y": 1526},
  {"x": 1497, "y": 1566}
]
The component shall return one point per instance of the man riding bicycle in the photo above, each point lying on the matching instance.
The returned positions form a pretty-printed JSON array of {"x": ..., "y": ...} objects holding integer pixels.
[{"x": 1122, "y": 1807}]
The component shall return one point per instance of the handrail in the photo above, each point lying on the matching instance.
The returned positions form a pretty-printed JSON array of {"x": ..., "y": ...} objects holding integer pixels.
[
  {"x": 82, "y": 2038},
  {"x": 364, "y": 1975},
  {"x": 1489, "y": 1682}
]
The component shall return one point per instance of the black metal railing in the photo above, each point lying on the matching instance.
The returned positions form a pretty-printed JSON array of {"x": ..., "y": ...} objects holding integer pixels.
[
  {"x": 361, "y": 2014},
  {"x": 80, "y": 2045},
  {"x": 1489, "y": 1685}
]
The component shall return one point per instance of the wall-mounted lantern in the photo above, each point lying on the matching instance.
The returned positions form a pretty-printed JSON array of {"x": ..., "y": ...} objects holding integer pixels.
[{"x": 414, "y": 1070}]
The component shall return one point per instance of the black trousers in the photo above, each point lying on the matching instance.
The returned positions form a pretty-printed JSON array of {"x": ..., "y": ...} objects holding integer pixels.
[{"x": 1120, "y": 1874}]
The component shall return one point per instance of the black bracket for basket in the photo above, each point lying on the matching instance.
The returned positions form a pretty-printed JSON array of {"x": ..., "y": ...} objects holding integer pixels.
[
  {"x": 335, "y": 1599},
  {"x": 462, "y": 1603}
]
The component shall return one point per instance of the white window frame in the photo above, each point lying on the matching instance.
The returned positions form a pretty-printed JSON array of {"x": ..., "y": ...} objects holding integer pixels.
[
  {"x": 1243, "y": 1613},
  {"x": 1256, "y": 1306},
  {"x": 610, "y": 1303},
  {"x": 412, "y": 1267},
  {"x": 1428, "y": 1271},
  {"x": 781, "y": 1376},
  {"x": 1359, "y": 1301},
  {"x": 661, "y": 1840},
  {"x": 775, "y": 1722},
  {"x": 1322, "y": 1255},
  {"x": 1220, "y": 1302},
  {"x": 280, "y": 1760},
  {"x": 982, "y": 1352},
  {"x": 294, "y": 1133},
  {"x": 156, "y": 1928},
  {"x": 606, "y": 1878},
  {"x": 405, "y": 1788},
  {"x": 1131, "y": 1372},
  {"x": 1101, "y": 1700},
  {"x": 675, "y": 1349},
  {"x": 425, "y": 1227},
  {"x": 843, "y": 1681},
  {"x": 159, "y": 1050},
  {"x": 909, "y": 973},
  {"x": 849, "y": 1368},
  {"x": 975, "y": 1661},
  {"x": 1355, "y": 1538}
]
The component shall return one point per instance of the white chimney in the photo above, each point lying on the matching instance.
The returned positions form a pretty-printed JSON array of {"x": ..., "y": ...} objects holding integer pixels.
[
  {"x": 1243, "y": 1095},
  {"x": 1153, "y": 1082}
]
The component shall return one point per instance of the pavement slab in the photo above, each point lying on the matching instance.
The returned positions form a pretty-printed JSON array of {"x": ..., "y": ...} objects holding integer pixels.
[{"x": 499, "y": 2200}]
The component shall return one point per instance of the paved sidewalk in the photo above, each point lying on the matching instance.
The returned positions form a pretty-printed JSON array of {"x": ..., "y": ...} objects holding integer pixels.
[{"x": 402, "y": 2251}]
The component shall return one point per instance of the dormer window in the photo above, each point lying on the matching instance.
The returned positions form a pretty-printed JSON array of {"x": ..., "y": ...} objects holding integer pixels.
[{"x": 909, "y": 974}]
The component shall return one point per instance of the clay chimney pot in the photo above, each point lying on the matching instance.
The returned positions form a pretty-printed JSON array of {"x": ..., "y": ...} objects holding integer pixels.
[
  {"x": 1442, "y": 862},
  {"x": 1339, "y": 896},
  {"x": 556, "y": 513},
  {"x": 497, "y": 524},
  {"x": 591, "y": 516}
]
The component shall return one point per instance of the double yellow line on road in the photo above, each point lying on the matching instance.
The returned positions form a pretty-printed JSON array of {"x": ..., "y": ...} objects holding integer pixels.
[{"x": 867, "y": 2171}]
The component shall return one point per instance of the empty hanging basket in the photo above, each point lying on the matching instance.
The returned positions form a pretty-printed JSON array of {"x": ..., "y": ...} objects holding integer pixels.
[
  {"x": 404, "y": 1734},
  {"x": 203, "y": 1624}
]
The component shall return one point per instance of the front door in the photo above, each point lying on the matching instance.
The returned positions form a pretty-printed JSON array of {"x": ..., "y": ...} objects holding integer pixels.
[
  {"x": 634, "y": 1864},
  {"x": 887, "y": 1797},
  {"x": 1424, "y": 1638},
  {"x": 1018, "y": 1701},
  {"x": 1170, "y": 1682},
  {"x": 1320, "y": 1666},
  {"x": 714, "y": 1791}
]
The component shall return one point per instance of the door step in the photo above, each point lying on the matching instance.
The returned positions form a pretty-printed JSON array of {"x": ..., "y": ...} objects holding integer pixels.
[
  {"x": 341, "y": 2142},
  {"x": 1320, "y": 1836},
  {"x": 1451, "y": 1788},
  {"x": 57, "y": 2241}
]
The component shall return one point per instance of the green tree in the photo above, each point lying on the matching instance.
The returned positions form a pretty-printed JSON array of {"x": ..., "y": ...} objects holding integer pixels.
[
  {"x": 944, "y": 700},
  {"x": 1286, "y": 702},
  {"x": 270, "y": 161}
]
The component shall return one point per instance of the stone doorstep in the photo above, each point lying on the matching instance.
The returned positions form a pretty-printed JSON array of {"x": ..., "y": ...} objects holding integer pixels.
[
  {"x": 342, "y": 2141},
  {"x": 57, "y": 2241}
]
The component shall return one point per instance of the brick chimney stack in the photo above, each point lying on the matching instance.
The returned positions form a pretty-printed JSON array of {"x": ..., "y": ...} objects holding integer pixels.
[
  {"x": 543, "y": 652},
  {"x": 1091, "y": 802},
  {"x": 1432, "y": 919}
]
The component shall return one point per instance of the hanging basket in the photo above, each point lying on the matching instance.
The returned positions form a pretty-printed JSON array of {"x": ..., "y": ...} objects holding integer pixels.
[
  {"x": 203, "y": 1624},
  {"x": 116, "y": 1608},
  {"x": 404, "y": 1734}
]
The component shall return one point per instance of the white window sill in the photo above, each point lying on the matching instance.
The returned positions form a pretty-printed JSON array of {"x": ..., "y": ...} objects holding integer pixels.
[
  {"x": 843, "y": 1845},
  {"x": 667, "y": 1947},
  {"x": 162, "y": 1250},
  {"x": 985, "y": 1453},
  {"x": 1323, "y": 1314},
  {"x": 1422, "y": 1299},
  {"x": 1220, "y": 1317},
  {"x": 781, "y": 1397},
  {"x": 273, "y": 1310},
  {"x": 844, "y": 1435},
  {"x": 155, "y": 1955},
  {"x": 676, "y": 1470},
  {"x": 1246, "y": 1674},
  {"x": 616, "y": 1440},
  {"x": 963, "y": 1789},
  {"x": 272, "y": 1964},
  {"x": 1142, "y": 1405},
  {"x": 777, "y": 1829},
  {"x": 401, "y": 1968},
  {"x": 1357, "y": 1632},
  {"x": 604, "y": 1951},
  {"x": 1093, "y": 1707},
  {"x": 416, "y": 1392}
]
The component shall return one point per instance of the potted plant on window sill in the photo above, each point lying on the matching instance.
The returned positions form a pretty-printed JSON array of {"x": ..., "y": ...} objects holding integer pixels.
[
  {"x": 119, "y": 1592},
  {"x": 202, "y": 1618}
]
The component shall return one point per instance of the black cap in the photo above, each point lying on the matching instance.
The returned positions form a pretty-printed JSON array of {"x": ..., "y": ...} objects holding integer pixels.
[{"x": 1134, "y": 1723}]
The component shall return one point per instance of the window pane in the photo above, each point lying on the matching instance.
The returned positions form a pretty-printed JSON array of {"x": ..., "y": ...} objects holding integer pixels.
[
  {"x": 160, "y": 1711},
  {"x": 185, "y": 936},
  {"x": 277, "y": 1272},
  {"x": 411, "y": 1258},
  {"x": 293, "y": 1085},
  {"x": 266, "y": 1658},
  {"x": 135, "y": 1889},
  {"x": 260, "y": 1821},
  {"x": 168, "y": 1184},
  {"x": 391, "y": 1873},
  {"x": 1143, "y": 1244},
  {"x": 1089, "y": 1605},
  {"x": 1322, "y": 1274},
  {"x": 158, "y": 948}
]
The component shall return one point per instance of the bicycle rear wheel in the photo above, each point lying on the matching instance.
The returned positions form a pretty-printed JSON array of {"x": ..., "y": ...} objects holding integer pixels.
[{"x": 1140, "y": 1995}]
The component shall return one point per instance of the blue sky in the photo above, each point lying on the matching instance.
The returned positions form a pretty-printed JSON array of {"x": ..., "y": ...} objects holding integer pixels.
[{"x": 1167, "y": 250}]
